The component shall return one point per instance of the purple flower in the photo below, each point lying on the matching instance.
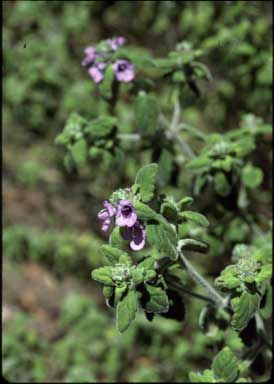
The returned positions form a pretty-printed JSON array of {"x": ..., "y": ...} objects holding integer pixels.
[
  {"x": 90, "y": 56},
  {"x": 116, "y": 42},
  {"x": 124, "y": 70},
  {"x": 97, "y": 71},
  {"x": 126, "y": 215},
  {"x": 106, "y": 215},
  {"x": 136, "y": 235}
]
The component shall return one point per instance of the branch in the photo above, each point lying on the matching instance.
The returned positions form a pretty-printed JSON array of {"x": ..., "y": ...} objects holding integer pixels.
[{"x": 220, "y": 301}]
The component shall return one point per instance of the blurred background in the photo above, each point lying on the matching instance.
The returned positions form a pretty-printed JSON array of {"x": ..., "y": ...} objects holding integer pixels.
[{"x": 56, "y": 325}]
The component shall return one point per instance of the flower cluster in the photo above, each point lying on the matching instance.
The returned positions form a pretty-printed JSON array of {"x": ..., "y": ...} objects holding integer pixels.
[
  {"x": 125, "y": 217},
  {"x": 97, "y": 60}
]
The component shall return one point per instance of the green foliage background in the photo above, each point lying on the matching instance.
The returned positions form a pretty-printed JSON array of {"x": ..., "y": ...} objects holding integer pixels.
[{"x": 50, "y": 216}]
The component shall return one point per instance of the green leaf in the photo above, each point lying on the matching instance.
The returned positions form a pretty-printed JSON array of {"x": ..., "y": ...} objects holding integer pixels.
[
  {"x": 138, "y": 275},
  {"x": 158, "y": 300},
  {"x": 101, "y": 127},
  {"x": 195, "y": 217},
  {"x": 229, "y": 277},
  {"x": 192, "y": 245},
  {"x": 113, "y": 254},
  {"x": 146, "y": 177},
  {"x": 116, "y": 239},
  {"x": 107, "y": 291},
  {"x": 225, "y": 366},
  {"x": 237, "y": 230},
  {"x": 252, "y": 176},
  {"x": 146, "y": 111},
  {"x": 202, "y": 377},
  {"x": 169, "y": 209},
  {"x": 119, "y": 292},
  {"x": 79, "y": 152},
  {"x": 163, "y": 237},
  {"x": 126, "y": 311},
  {"x": 222, "y": 186},
  {"x": 147, "y": 263},
  {"x": 166, "y": 166},
  {"x": 102, "y": 275},
  {"x": 144, "y": 212},
  {"x": 106, "y": 85},
  {"x": 202, "y": 161},
  {"x": 264, "y": 274},
  {"x": 73, "y": 130},
  {"x": 244, "y": 308},
  {"x": 199, "y": 183},
  {"x": 185, "y": 202}
]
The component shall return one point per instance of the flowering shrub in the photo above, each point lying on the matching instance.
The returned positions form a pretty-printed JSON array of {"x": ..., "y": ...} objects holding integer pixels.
[
  {"x": 195, "y": 116},
  {"x": 99, "y": 59},
  {"x": 153, "y": 234}
]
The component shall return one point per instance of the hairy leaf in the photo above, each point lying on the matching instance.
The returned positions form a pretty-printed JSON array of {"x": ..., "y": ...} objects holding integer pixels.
[
  {"x": 146, "y": 110},
  {"x": 244, "y": 308},
  {"x": 202, "y": 377},
  {"x": 192, "y": 245},
  {"x": 222, "y": 186},
  {"x": 158, "y": 300},
  {"x": 103, "y": 275},
  {"x": 144, "y": 212},
  {"x": 195, "y": 217},
  {"x": 126, "y": 310},
  {"x": 79, "y": 152},
  {"x": 146, "y": 177},
  {"x": 100, "y": 127},
  {"x": 163, "y": 237},
  {"x": 225, "y": 366},
  {"x": 113, "y": 254},
  {"x": 252, "y": 176}
]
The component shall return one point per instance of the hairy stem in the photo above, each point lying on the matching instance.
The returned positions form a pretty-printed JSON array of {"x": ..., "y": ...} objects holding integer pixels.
[
  {"x": 220, "y": 301},
  {"x": 173, "y": 131},
  {"x": 182, "y": 289},
  {"x": 129, "y": 136}
]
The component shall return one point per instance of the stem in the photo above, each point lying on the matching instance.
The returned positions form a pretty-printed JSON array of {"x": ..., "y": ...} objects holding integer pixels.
[
  {"x": 185, "y": 147},
  {"x": 129, "y": 136},
  {"x": 193, "y": 130},
  {"x": 220, "y": 301},
  {"x": 180, "y": 289},
  {"x": 173, "y": 131},
  {"x": 176, "y": 116}
]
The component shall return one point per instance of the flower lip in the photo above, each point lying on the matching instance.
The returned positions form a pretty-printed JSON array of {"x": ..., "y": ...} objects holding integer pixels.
[
  {"x": 106, "y": 214},
  {"x": 90, "y": 56},
  {"x": 124, "y": 70},
  {"x": 121, "y": 67},
  {"x": 97, "y": 71},
  {"x": 136, "y": 235},
  {"x": 116, "y": 42},
  {"x": 126, "y": 215}
]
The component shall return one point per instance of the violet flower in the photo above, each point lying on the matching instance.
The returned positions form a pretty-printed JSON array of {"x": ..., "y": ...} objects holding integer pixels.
[
  {"x": 90, "y": 56},
  {"x": 116, "y": 42},
  {"x": 97, "y": 71},
  {"x": 126, "y": 215},
  {"x": 136, "y": 235},
  {"x": 124, "y": 70},
  {"x": 106, "y": 215}
]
